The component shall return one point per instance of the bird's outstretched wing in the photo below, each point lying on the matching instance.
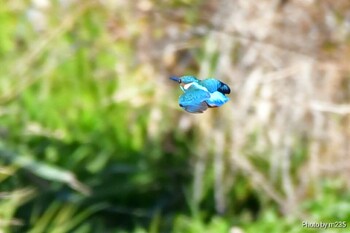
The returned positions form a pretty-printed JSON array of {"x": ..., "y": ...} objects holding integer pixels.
[
  {"x": 216, "y": 99},
  {"x": 215, "y": 85},
  {"x": 193, "y": 101},
  {"x": 196, "y": 108}
]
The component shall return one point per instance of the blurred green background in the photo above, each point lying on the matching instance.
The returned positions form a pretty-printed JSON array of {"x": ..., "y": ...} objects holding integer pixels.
[{"x": 93, "y": 140}]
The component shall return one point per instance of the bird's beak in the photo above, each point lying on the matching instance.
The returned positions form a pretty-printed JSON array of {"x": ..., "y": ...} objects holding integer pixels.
[{"x": 176, "y": 79}]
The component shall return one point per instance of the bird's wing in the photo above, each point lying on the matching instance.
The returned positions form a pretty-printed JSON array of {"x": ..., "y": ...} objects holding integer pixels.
[
  {"x": 194, "y": 101},
  {"x": 215, "y": 85},
  {"x": 216, "y": 99},
  {"x": 197, "y": 108}
]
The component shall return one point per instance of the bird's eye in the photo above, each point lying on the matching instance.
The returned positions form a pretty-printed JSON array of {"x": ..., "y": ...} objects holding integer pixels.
[{"x": 179, "y": 81}]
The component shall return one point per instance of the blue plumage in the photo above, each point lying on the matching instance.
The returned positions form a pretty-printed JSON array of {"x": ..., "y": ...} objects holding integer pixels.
[
  {"x": 201, "y": 94},
  {"x": 215, "y": 85},
  {"x": 194, "y": 100}
]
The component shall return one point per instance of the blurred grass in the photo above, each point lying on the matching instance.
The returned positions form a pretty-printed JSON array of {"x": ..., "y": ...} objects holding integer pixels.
[{"x": 92, "y": 140}]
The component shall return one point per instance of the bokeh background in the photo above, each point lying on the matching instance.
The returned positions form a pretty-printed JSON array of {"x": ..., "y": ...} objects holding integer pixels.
[{"x": 93, "y": 139}]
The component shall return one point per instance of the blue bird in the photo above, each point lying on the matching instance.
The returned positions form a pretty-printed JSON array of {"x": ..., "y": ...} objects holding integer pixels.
[{"x": 201, "y": 94}]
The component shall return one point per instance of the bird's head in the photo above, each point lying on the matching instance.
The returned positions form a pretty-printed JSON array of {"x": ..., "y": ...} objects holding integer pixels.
[{"x": 185, "y": 81}]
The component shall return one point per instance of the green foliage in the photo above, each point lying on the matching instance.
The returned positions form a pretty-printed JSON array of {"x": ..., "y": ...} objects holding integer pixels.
[{"x": 195, "y": 224}]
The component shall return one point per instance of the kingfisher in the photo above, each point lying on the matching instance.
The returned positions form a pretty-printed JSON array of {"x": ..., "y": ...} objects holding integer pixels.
[{"x": 200, "y": 94}]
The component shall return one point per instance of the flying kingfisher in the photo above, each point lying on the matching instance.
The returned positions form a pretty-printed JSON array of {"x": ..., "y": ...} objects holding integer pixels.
[{"x": 200, "y": 94}]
